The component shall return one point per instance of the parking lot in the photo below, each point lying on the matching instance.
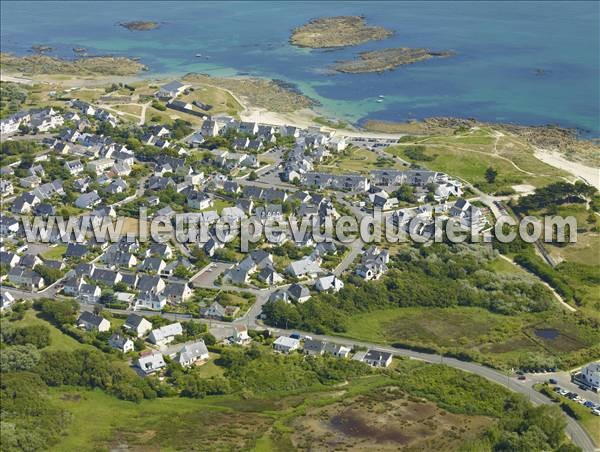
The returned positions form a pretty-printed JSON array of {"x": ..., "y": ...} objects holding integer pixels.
[
  {"x": 594, "y": 406},
  {"x": 209, "y": 276}
]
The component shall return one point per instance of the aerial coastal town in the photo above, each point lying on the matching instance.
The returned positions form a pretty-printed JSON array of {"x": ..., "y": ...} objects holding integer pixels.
[{"x": 197, "y": 262}]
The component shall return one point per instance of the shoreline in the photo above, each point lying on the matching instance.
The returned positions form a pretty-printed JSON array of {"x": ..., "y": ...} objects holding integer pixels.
[{"x": 304, "y": 117}]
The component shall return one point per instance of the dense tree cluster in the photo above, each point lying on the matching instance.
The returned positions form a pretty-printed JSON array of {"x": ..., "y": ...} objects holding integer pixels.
[
  {"x": 521, "y": 427},
  {"x": 554, "y": 195},
  {"x": 435, "y": 276}
]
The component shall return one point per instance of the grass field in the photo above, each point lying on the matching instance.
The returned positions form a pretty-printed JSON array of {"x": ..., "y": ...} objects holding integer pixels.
[
  {"x": 55, "y": 252},
  {"x": 504, "y": 339},
  {"x": 468, "y": 155},
  {"x": 221, "y": 101},
  {"x": 586, "y": 249},
  {"x": 132, "y": 109},
  {"x": 173, "y": 423},
  {"x": 281, "y": 422},
  {"x": 579, "y": 263},
  {"x": 384, "y": 419},
  {"x": 354, "y": 160},
  {"x": 219, "y": 205},
  {"x": 58, "y": 340}
]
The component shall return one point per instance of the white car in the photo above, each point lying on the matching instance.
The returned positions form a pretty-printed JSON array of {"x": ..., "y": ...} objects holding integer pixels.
[{"x": 596, "y": 412}]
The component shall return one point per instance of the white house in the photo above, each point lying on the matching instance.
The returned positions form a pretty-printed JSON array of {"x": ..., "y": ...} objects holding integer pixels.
[
  {"x": 165, "y": 334},
  {"x": 591, "y": 374},
  {"x": 190, "y": 353},
  {"x": 240, "y": 335},
  {"x": 151, "y": 363},
  {"x": 285, "y": 344},
  {"x": 6, "y": 301},
  {"x": 329, "y": 282},
  {"x": 377, "y": 358}
]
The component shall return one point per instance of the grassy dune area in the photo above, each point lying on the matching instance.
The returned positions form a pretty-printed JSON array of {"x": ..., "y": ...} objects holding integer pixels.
[{"x": 467, "y": 155}]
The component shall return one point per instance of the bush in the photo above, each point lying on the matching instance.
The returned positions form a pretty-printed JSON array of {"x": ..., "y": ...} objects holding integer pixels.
[{"x": 159, "y": 106}]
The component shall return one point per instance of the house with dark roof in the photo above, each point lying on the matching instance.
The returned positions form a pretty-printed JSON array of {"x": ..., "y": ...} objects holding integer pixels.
[
  {"x": 214, "y": 311},
  {"x": 9, "y": 259},
  {"x": 137, "y": 324},
  {"x": 22, "y": 276},
  {"x": 88, "y": 200},
  {"x": 76, "y": 250},
  {"x": 314, "y": 347},
  {"x": 121, "y": 343},
  {"x": 177, "y": 292},
  {"x": 93, "y": 322},
  {"x": 299, "y": 293},
  {"x": 171, "y": 90},
  {"x": 377, "y": 358},
  {"x": 89, "y": 293}
]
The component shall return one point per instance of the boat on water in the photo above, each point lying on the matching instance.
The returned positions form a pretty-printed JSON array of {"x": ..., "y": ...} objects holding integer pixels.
[
  {"x": 381, "y": 96},
  {"x": 379, "y": 100},
  {"x": 198, "y": 55}
]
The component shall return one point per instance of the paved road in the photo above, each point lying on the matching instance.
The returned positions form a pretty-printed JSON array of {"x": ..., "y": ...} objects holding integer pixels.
[{"x": 577, "y": 434}]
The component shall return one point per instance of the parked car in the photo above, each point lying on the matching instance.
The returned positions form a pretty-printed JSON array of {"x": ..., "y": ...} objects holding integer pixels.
[
  {"x": 552, "y": 381},
  {"x": 596, "y": 412},
  {"x": 521, "y": 377},
  {"x": 589, "y": 404}
]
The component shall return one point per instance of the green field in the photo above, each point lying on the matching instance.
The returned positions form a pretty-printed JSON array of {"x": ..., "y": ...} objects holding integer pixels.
[
  {"x": 102, "y": 422},
  {"x": 502, "y": 340},
  {"x": 55, "y": 252},
  {"x": 354, "y": 160},
  {"x": 467, "y": 156},
  {"x": 58, "y": 340}
]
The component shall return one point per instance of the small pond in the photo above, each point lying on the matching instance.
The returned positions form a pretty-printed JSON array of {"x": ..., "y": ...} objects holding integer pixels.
[{"x": 547, "y": 333}]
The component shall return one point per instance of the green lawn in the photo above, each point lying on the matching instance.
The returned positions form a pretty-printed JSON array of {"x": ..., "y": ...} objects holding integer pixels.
[
  {"x": 469, "y": 166},
  {"x": 209, "y": 368},
  {"x": 102, "y": 422},
  {"x": 219, "y": 205},
  {"x": 55, "y": 252},
  {"x": 431, "y": 326}
]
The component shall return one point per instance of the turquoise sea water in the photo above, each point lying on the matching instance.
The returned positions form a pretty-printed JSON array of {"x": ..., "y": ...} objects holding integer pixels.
[{"x": 499, "y": 44}]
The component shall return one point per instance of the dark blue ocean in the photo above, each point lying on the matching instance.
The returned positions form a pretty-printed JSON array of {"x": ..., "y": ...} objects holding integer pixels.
[{"x": 499, "y": 44}]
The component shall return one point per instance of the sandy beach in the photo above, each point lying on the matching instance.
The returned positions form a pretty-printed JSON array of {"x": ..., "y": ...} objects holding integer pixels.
[{"x": 586, "y": 173}]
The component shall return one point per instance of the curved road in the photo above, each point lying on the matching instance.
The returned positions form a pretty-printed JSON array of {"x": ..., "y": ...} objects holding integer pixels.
[{"x": 574, "y": 430}]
